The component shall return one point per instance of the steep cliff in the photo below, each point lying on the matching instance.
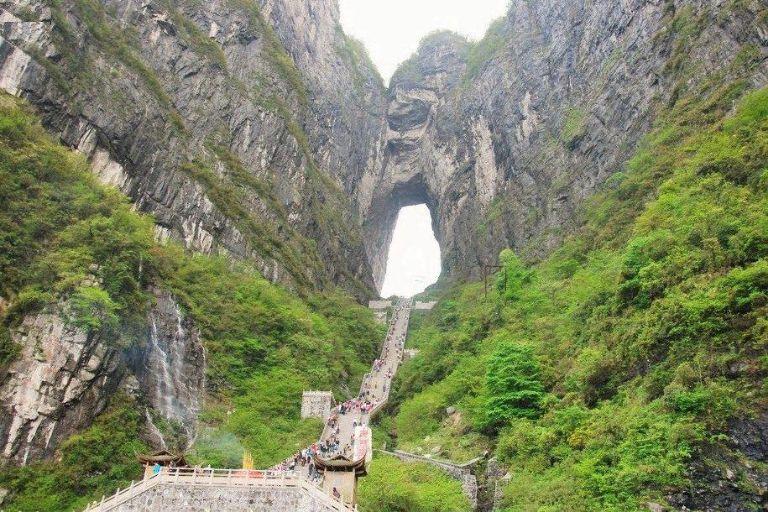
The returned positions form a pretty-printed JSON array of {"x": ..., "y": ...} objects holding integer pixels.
[
  {"x": 112, "y": 343},
  {"x": 257, "y": 131},
  {"x": 505, "y": 138},
  {"x": 238, "y": 125}
]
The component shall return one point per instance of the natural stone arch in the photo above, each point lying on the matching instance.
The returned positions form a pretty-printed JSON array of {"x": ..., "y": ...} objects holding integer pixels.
[
  {"x": 380, "y": 222},
  {"x": 414, "y": 166}
]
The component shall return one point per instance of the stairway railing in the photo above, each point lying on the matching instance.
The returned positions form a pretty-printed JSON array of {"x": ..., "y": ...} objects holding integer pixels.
[{"x": 218, "y": 478}]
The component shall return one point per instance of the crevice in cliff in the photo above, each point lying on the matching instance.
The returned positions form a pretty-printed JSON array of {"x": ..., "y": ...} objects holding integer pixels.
[{"x": 380, "y": 225}]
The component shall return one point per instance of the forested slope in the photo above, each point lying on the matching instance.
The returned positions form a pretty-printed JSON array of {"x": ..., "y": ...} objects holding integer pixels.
[
  {"x": 628, "y": 367},
  {"x": 72, "y": 246}
]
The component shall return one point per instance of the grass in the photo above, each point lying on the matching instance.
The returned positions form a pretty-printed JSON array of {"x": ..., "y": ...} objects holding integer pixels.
[
  {"x": 393, "y": 486},
  {"x": 483, "y": 52}
]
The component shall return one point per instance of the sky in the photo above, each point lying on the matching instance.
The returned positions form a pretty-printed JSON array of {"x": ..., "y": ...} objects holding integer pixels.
[
  {"x": 414, "y": 256},
  {"x": 392, "y": 29}
]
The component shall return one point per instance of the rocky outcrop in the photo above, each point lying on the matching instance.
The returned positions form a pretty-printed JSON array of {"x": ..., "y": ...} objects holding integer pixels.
[
  {"x": 60, "y": 382},
  {"x": 730, "y": 476},
  {"x": 170, "y": 369},
  {"x": 506, "y": 138},
  {"x": 64, "y": 377},
  {"x": 198, "y": 113},
  {"x": 259, "y": 130}
]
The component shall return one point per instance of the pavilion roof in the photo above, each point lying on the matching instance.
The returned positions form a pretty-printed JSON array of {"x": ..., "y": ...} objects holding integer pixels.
[{"x": 163, "y": 457}]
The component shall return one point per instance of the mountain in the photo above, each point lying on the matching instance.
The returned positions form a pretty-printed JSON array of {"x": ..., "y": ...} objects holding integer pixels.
[
  {"x": 506, "y": 138},
  {"x": 260, "y": 164},
  {"x": 202, "y": 116}
]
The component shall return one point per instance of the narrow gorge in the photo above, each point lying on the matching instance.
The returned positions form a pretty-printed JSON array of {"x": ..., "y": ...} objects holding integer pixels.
[{"x": 197, "y": 201}]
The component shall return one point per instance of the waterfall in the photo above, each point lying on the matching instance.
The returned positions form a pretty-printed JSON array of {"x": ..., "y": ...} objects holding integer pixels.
[
  {"x": 163, "y": 379},
  {"x": 173, "y": 368}
]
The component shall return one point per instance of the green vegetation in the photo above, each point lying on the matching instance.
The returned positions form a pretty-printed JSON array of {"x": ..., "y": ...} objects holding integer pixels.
[
  {"x": 356, "y": 56},
  {"x": 574, "y": 127},
  {"x": 265, "y": 346},
  {"x": 92, "y": 463},
  {"x": 624, "y": 354},
  {"x": 483, "y": 51},
  {"x": 394, "y": 486},
  {"x": 66, "y": 239},
  {"x": 62, "y": 235},
  {"x": 513, "y": 387}
]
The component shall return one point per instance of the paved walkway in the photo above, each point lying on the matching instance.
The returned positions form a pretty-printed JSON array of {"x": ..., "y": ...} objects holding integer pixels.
[
  {"x": 375, "y": 388},
  {"x": 373, "y": 394}
]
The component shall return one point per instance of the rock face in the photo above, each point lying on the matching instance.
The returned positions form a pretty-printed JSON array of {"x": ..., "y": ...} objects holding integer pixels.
[
  {"x": 60, "y": 382},
  {"x": 170, "y": 367},
  {"x": 238, "y": 125},
  {"x": 64, "y": 377},
  {"x": 506, "y": 138},
  {"x": 730, "y": 477},
  {"x": 258, "y": 130}
]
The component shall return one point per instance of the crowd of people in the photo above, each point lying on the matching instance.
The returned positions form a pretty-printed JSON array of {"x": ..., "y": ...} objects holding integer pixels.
[
  {"x": 301, "y": 460},
  {"x": 339, "y": 435}
]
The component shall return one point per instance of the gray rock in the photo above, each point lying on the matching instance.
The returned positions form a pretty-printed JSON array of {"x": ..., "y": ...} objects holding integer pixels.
[
  {"x": 506, "y": 150},
  {"x": 45, "y": 399},
  {"x": 294, "y": 143},
  {"x": 170, "y": 367}
]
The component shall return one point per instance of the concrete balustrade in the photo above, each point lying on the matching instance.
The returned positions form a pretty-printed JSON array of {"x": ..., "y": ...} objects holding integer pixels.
[{"x": 234, "y": 490}]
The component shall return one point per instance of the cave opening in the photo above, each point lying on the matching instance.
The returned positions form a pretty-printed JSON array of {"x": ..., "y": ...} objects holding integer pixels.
[{"x": 413, "y": 259}]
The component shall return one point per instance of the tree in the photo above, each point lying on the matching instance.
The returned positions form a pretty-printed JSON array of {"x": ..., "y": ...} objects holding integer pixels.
[
  {"x": 513, "y": 387},
  {"x": 513, "y": 276}
]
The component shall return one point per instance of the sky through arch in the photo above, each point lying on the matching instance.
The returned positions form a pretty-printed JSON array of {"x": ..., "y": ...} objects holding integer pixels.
[{"x": 413, "y": 262}]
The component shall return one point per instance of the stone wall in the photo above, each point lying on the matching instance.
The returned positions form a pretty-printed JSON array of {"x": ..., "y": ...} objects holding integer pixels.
[
  {"x": 316, "y": 404},
  {"x": 496, "y": 477}
]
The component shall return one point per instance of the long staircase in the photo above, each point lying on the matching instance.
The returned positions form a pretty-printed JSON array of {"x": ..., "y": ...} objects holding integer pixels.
[{"x": 277, "y": 490}]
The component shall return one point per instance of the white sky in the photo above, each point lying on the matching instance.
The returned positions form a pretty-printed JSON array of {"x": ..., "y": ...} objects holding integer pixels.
[
  {"x": 414, "y": 256},
  {"x": 392, "y": 29}
]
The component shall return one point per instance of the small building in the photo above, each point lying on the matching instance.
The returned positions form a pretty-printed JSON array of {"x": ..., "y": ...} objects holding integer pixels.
[
  {"x": 163, "y": 458},
  {"x": 316, "y": 404},
  {"x": 341, "y": 473}
]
